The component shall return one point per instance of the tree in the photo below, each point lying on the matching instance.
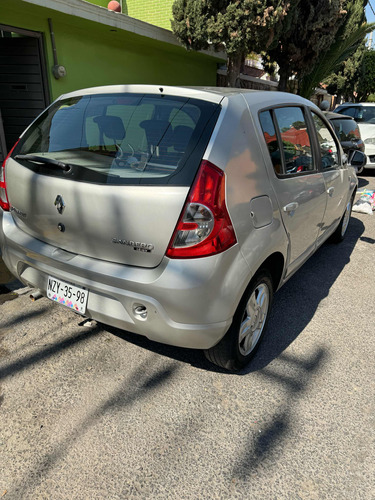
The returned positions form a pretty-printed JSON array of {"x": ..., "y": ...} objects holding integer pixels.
[
  {"x": 311, "y": 29},
  {"x": 236, "y": 26},
  {"x": 341, "y": 50},
  {"x": 345, "y": 80},
  {"x": 344, "y": 56},
  {"x": 366, "y": 85}
]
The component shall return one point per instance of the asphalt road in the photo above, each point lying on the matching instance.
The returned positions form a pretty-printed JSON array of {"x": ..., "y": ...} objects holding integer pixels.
[{"x": 89, "y": 412}]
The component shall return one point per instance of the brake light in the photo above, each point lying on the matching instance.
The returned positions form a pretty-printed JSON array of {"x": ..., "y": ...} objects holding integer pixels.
[
  {"x": 204, "y": 227},
  {"x": 4, "y": 202}
]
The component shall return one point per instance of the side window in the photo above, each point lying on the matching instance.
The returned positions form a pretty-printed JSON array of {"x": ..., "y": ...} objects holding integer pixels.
[
  {"x": 270, "y": 137},
  {"x": 350, "y": 111},
  {"x": 327, "y": 144},
  {"x": 367, "y": 114},
  {"x": 296, "y": 143}
]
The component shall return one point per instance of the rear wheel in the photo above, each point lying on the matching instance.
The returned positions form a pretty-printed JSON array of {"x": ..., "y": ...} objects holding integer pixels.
[
  {"x": 242, "y": 339},
  {"x": 340, "y": 232}
]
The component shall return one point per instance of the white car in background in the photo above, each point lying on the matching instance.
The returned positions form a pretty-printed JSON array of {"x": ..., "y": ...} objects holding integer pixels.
[{"x": 364, "y": 115}]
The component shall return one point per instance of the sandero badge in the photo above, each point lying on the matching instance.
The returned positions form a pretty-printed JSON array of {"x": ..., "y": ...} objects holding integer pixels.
[{"x": 137, "y": 245}]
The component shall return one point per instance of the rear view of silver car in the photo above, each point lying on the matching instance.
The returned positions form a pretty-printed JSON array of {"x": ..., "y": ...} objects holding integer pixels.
[{"x": 173, "y": 213}]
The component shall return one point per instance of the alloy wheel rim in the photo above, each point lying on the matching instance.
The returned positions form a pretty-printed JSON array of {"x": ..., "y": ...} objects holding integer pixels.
[{"x": 254, "y": 319}]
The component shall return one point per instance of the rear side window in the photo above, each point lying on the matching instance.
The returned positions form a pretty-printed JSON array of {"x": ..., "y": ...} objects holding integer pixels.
[
  {"x": 270, "y": 137},
  {"x": 327, "y": 144},
  {"x": 122, "y": 138},
  {"x": 290, "y": 126}
]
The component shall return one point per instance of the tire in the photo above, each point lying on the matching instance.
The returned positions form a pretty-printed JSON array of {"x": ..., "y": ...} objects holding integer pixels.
[
  {"x": 243, "y": 337},
  {"x": 341, "y": 229}
]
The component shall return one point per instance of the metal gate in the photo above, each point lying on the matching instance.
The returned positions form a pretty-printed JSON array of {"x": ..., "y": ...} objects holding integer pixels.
[{"x": 23, "y": 83}]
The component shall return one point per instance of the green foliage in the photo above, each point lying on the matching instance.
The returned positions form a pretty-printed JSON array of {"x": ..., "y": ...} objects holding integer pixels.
[
  {"x": 236, "y": 26},
  {"x": 345, "y": 80},
  {"x": 371, "y": 98},
  {"x": 307, "y": 39},
  {"x": 311, "y": 29},
  {"x": 344, "y": 75},
  {"x": 298, "y": 125},
  {"x": 341, "y": 50},
  {"x": 366, "y": 84}
]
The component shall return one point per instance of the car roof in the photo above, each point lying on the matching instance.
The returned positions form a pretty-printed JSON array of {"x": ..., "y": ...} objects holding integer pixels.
[
  {"x": 212, "y": 94},
  {"x": 351, "y": 104}
]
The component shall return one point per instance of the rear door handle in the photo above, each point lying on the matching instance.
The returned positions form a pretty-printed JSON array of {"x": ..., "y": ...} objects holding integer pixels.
[
  {"x": 330, "y": 191},
  {"x": 290, "y": 207}
]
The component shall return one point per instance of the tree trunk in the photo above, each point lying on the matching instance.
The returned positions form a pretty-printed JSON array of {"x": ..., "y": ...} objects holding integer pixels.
[
  {"x": 234, "y": 64},
  {"x": 284, "y": 78}
]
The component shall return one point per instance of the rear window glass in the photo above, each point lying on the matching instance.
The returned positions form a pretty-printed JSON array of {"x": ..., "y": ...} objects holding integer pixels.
[
  {"x": 121, "y": 138},
  {"x": 346, "y": 130}
]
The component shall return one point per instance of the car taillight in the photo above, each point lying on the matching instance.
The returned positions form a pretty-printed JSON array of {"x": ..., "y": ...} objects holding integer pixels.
[
  {"x": 4, "y": 202},
  {"x": 204, "y": 227}
]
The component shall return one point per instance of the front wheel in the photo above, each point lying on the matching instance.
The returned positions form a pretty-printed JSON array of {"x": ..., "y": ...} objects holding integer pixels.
[{"x": 243, "y": 338}]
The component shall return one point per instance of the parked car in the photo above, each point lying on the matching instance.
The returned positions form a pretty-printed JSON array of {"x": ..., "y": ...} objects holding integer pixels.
[
  {"x": 174, "y": 213},
  {"x": 370, "y": 153},
  {"x": 347, "y": 131},
  {"x": 364, "y": 115},
  {"x": 361, "y": 112}
]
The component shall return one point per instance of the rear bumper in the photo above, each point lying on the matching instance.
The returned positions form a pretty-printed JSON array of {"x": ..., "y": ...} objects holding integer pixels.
[{"x": 190, "y": 303}]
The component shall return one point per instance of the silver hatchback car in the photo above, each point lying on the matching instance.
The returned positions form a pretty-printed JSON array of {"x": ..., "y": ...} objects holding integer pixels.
[{"x": 174, "y": 213}]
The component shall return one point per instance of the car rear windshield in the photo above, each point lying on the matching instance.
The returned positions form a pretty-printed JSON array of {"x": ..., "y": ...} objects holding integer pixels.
[
  {"x": 346, "y": 130},
  {"x": 120, "y": 139}
]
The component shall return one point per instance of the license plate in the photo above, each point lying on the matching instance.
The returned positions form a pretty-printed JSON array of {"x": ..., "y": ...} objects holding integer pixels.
[{"x": 67, "y": 294}]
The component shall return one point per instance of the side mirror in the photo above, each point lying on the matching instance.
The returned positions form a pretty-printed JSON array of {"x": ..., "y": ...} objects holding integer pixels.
[{"x": 357, "y": 159}]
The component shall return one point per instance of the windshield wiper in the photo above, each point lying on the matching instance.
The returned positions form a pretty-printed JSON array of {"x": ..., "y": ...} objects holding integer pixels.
[{"x": 48, "y": 161}]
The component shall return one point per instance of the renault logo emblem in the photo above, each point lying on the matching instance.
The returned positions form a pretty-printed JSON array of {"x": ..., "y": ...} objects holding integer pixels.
[{"x": 59, "y": 204}]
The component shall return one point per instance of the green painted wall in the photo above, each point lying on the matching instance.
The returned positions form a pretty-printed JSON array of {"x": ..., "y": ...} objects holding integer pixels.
[
  {"x": 102, "y": 3},
  {"x": 93, "y": 54},
  {"x": 157, "y": 12}
]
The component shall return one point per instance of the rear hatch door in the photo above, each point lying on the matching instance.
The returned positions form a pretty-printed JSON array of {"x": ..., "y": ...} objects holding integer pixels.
[{"x": 107, "y": 176}]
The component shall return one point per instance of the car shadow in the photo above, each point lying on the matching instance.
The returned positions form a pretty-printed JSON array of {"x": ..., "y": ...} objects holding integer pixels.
[
  {"x": 362, "y": 182},
  {"x": 307, "y": 288}
]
